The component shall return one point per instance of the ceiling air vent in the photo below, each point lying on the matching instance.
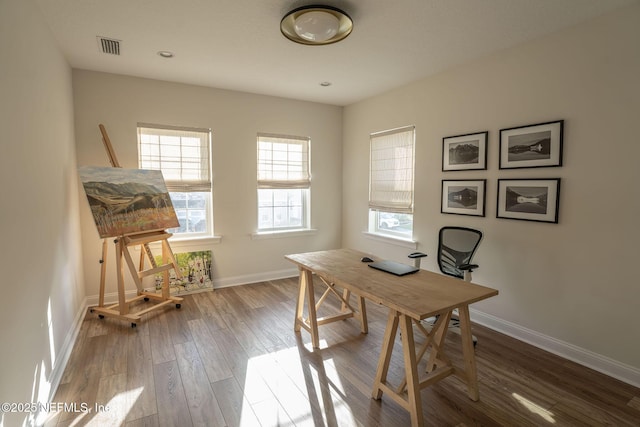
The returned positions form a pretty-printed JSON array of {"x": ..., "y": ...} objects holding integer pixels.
[{"x": 110, "y": 46}]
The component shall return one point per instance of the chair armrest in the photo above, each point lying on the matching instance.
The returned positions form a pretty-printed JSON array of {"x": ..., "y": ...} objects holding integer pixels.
[
  {"x": 470, "y": 267},
  {"x": 417, "y": 255}
]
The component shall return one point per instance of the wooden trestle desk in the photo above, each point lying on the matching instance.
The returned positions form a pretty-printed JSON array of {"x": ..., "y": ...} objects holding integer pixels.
[{"x": 410, "y": 299}]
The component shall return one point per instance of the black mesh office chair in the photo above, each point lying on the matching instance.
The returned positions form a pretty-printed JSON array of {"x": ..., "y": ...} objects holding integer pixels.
[{"x": 456, "y": 247}]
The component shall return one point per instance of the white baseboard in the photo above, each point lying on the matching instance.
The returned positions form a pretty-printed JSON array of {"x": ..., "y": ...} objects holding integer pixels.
[
  {"x": 255, "y": 278},
  {"x": 597, "y": 362},
  {"x": 110, "y": 298}
]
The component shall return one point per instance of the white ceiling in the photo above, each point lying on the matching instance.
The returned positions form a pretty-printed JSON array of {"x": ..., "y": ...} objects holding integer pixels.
[{"x": 237, "y": 44}]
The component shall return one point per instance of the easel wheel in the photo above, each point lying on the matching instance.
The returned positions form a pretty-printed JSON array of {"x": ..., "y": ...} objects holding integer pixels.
[
  {"x": 146, "y": 299},
  {"x": 133, "y": 325},
  {"x": 100, "y": 316},
  {"x": 178, "y": 305}
]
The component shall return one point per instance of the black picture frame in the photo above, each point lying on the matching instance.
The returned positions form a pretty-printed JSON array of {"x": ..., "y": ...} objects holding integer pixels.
[
  {"x": 463, "y": 197},
  {"x": 465, "y": 152},
  {"x": 529, "y": 199},
  {"x": 532, "y": 146}
]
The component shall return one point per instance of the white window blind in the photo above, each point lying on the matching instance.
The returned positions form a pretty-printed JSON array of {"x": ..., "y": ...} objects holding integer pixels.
[
  {"x": 283, "y": 162},
  {"x": 182, "y": 154},
  {"x": 391, "y": 170}
]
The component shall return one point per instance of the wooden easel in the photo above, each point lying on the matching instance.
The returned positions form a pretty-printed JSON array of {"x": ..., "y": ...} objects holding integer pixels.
[{"x": 120, "y": 310}]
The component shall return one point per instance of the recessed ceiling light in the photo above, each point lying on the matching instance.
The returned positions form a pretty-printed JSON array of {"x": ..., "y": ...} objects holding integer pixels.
[
  {"x": 165, "y": 54},
  {"x": 325, "y": 84}
]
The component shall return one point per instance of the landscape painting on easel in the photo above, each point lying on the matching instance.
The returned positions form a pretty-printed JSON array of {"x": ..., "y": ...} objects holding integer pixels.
[{"x": 127, "y": 201}]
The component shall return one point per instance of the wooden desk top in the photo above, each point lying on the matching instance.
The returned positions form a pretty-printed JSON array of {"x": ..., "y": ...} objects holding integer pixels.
[{"x": 419, "y": 295}]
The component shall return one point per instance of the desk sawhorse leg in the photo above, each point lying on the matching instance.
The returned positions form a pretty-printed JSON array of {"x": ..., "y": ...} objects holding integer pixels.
[
  {"x": 438, "y": 364},
  {"x": 306, "y": 295}
]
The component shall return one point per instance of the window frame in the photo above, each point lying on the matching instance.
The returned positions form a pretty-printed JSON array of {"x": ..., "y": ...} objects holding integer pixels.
[
  {"x": 305, "y": 203},
  {"x": 374, "y": 225},
  {"x": 380, "y": 205},
  {"x": 175, "y": 186},
  {"x": 287, "y": 176}
]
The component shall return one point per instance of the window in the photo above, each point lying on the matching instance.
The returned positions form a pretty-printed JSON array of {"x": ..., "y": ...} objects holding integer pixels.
[
  {"x": 284, "y": 183},
  {"x": 182, "y": 154},
  {"x": 391, "y": 182}
]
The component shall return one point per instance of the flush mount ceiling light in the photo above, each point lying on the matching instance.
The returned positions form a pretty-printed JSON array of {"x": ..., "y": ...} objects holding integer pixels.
[{"x": 316, "y": 25}]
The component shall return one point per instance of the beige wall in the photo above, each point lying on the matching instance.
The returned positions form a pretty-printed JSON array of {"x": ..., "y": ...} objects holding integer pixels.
[
  {"x": 235, "y": 118},
  {"x": 574, "y": 281},
  {"x": 42, "y": 284}
]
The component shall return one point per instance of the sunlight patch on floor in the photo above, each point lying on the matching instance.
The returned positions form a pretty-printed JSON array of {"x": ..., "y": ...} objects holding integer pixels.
[
  {"x": 78, "y": 420},
  {"x": 303, "y": 388},
  {"x": 534, "y": 408},
  {"x": 115, "y": 412}
]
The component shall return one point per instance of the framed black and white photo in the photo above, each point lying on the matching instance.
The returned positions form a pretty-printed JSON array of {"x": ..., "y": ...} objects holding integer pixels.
[
  {"x": 531, "y": 146},
  {"x": 463, "y": 197},
  {"x": 529, "y": 199},
  {"x": 465, "y": 152}
]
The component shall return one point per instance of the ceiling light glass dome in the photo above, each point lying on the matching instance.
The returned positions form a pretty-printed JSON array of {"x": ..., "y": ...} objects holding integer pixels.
[{"x": 316, "y": 25}]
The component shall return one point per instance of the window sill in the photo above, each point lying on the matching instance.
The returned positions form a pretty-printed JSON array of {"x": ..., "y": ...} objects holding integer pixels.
[
  {"x": 184, "y": 244},
  {"x": 398, "y": 241},
  {"x": 282, "y": 234},
  {"x": 188, "y": 244}
]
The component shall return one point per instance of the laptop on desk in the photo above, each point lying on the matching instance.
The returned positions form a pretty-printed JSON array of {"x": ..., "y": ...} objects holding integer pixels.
[{"x": 393, "y": 267}]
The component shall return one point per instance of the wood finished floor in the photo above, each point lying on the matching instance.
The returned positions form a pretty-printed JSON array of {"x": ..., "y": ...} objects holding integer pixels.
[{"x": 230, "y": 358}]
